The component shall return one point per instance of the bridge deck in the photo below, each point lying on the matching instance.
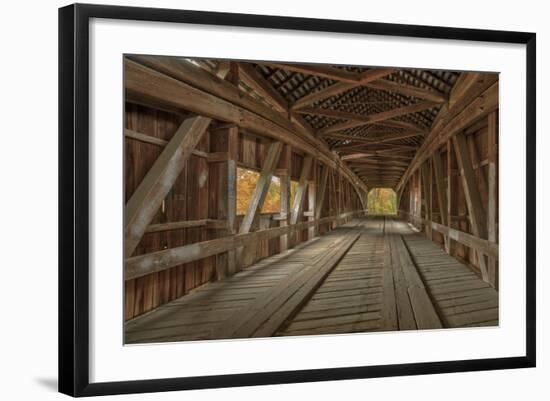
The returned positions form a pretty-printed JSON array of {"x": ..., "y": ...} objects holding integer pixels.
[{"x": 369, "y": 275}]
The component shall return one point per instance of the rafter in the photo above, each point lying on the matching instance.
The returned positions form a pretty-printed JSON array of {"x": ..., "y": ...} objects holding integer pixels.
[
  {"x": 408, "y": 90},
  {"x": 319, "y": 70},
  {"x": 385, "y": 115},
  {"x": 377, "y": 139},
  {"x": 380, "y": 163},
  {"x": 378, "y": 167},
  {"x": 343, "y": 115},
  {"x": 252, "y": 78},
  {"x": 378, "y": 147},
  {"x": 340, "y": 87},
  {"x": 257, "y": 82}
]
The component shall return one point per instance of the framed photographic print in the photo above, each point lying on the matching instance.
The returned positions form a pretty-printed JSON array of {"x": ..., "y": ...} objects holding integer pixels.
[{"x": 250, "y": 199}]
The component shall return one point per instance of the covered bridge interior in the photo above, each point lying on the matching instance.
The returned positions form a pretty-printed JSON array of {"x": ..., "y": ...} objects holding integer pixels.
[{"x": 198, "y": 266}]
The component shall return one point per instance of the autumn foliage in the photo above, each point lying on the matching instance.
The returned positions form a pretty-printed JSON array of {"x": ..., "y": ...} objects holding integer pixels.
[
  {"x": 246, "y": 182},
  {"x": 381, "y": 201}
]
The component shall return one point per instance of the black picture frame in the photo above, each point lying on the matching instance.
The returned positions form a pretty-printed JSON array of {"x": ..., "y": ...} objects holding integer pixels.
[{"x": 74, "y": 199}]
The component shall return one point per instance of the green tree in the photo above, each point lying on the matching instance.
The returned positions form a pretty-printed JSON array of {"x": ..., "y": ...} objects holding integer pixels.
[{"x": 382, "y": 201}]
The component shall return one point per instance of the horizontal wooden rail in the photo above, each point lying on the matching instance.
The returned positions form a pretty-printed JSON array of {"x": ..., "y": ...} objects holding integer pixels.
[
  {"x": 138, "y": 136},
  {"x": 177, "y": 225},
  {"x": 142, "y": 265},
  {"x": 479, "y": 244}
]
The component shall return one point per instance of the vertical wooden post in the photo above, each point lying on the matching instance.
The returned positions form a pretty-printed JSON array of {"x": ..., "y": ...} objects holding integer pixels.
[
  {"x": 441, "y": 192},
  {"x": 300, "y": 196},
  {"x": 285, "y": 164},
  {"x": 225, "y": 202},
  {"x": 312, "y": 195},
  {"x": 232, "y": 155},
  {"x": 430, "y": 197},
  {"x": 398, "y": 200},
  {"x": 492, "y": 215},
  {"x": 449, "y": 247},
  {"x": 333, "y": 205},
  {"x": 476, "y": 213},
  {"x": 340, "y": 194},
  {"x": 424, "y": 170},
  {"x": 321, "y": 192}
]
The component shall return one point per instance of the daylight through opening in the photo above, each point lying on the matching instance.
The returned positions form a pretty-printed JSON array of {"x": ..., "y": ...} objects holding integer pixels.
[{"x": 382, "y": 201}]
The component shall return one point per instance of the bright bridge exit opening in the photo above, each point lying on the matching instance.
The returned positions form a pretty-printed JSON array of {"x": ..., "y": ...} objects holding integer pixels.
[{"x": 382, "y": 201}]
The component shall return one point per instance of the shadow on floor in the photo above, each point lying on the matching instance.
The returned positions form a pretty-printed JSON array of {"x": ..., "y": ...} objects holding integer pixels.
[{"x": 49, "y": 383}]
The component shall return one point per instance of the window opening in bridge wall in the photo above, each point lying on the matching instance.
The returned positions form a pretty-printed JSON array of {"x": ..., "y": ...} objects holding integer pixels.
[
  {"x": 382, "y": 201},
  {"x": 246, "y": 182}
]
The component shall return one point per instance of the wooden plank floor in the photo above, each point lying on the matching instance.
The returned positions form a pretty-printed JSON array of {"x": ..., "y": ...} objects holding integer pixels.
[
  {"x": 461, "y": 298},
  {"x": 350, "y": 299},
  {"x": 369, "y": 275}
]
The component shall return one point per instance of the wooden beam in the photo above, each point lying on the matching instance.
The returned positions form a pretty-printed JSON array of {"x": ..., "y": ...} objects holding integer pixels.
[
  {"x": 284, "y": 176},
  {"x": 148, "y": 196},
  {"x": 407, "y": 90},
  {"x": 301, "y": 190},
  {"x": 476, "y": 214},
  {"x": 212, "y": 157},
  {"x": 233, "y": 76},
  {"x": 425, "y": 194},
  {"x": 372, "y": 162},
  {"x": 340, "y": 87},
  {"x": 261, "y": 86},
  {"x": 142, "y": 265},
  {"x": 202, "y": 90},
  {"x": 252, "y": 78},
  {"x": 321, "y": 94},
  {"x": 375, "y": 167},
  {"x": 441, "y": 191},
  {"x": 383, "y": 147},
  {"x": 321, "y": 192},
  {"x": 337, "y": 114},
  {"x": 492, "y": 179},
  {"x": 312, "y": 199},
  {"x": 343, "y": 115},
  {"x": 226, "y": 197},
  {"x": 356, "y": 156},
  {"x": 449, "y": 248},
  {"x": 260, "y": 191},
  {"x": 179, "y": 225},
  {"x": 138, "y": 136},
  {"x": 476, "y": 162},
  {"x": 320, "y": 70},
  {"x": 385, "y": 115},
  {"x": 375, "y": 140}
]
